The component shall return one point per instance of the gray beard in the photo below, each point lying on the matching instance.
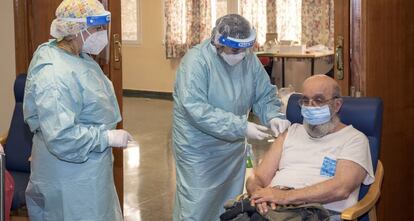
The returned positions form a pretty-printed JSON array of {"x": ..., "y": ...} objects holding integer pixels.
[{"x": 318, "y": 131}]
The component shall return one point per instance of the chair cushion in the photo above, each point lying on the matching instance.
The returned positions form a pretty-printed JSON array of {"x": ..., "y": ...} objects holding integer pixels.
[
  {"x": 19, "y": 143},
  {"x": 19, "y": 85},
  {"x": 364, "y": 113},
  {"x": 19, "y": 140}
]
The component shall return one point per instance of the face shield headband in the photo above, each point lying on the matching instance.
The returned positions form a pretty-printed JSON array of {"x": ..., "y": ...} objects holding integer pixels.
[
  {"x": 239, "y": 43},
  {"x": 93, "y": 20}
]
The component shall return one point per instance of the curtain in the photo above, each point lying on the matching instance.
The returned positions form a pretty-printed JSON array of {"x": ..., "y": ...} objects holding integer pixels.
[
  {"x": 318, "y": 22},
  {"x": 288, "y": 17},
  {"x": 271, "y": 16},
  {"x": 255, "y": 12},
  {"x": 188, "y": 22},
  {"x": 309, "y": 22}
]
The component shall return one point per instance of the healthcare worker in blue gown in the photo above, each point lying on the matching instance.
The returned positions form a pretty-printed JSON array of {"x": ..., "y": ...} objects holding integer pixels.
[
  {"x": 71, "y": 108},
  {"x": 217, "y": 84}
]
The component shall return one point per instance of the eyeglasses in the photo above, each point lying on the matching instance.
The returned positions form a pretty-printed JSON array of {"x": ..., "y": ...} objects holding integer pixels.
[
  {"x": 318, "y": 101},
  {"x": 98, "y": 28},
  {"x": 238, "y": 50},
  {"x": 234, "y": 50}
]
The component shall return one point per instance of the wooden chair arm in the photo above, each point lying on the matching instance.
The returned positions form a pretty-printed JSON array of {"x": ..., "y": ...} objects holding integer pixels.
[
  {"x": 3, "y": 138},
  {"x": 370, "y": 199}
]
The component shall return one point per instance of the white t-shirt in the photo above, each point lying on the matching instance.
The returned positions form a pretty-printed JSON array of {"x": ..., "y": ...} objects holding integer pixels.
[{"x": 306, "y": 161}]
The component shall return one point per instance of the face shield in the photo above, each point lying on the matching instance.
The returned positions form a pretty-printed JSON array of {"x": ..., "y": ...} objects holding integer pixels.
[
  {"x": 235, "y": 49},
  {"x": 102, "y": 22},
  {"x": 92, "y": 20},
  {"x": 238, "y": 43}
]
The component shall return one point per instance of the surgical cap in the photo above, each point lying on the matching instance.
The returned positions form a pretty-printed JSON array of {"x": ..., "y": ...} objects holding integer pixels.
[
  {"x": 231, "y": 25},
  {"x": 61, "y": 28}
]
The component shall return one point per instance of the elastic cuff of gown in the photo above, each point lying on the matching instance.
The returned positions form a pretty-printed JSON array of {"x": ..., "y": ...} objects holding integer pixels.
[
  {"x": 104, "y": 141},
  {"x": 244, "y": 125}
]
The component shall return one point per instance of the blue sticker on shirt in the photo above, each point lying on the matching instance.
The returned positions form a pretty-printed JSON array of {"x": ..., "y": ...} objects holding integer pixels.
[{"x": 328, "y": 167}]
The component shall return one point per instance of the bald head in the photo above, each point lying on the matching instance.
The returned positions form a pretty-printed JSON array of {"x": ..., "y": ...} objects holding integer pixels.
[{"x": 321, "y": 86}]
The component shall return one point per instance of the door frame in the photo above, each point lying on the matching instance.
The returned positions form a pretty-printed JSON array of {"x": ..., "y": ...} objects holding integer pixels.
[{"x": 341, "y": 28}]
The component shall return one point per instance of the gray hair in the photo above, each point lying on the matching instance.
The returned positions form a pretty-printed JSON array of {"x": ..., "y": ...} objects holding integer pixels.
[{"x": 336, "y": 90}]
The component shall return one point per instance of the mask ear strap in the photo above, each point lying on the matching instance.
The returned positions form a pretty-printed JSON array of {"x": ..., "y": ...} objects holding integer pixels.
[
  {"x": 88, "y": 32},
  {"x": 81, "y": 34},
  {"x": 83, "y": 39}
]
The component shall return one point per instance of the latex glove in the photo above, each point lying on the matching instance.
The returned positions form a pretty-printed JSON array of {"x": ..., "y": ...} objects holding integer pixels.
[
  {"x": 278, "y": 125},
  {"x": 119, "y": 138},
  {"x": 255, "y": 131}
]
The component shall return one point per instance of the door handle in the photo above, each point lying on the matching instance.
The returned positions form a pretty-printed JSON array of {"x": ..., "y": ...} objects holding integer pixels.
[
  {"x": 117, "y": 52},
  {"x": 339, "y": 56}
]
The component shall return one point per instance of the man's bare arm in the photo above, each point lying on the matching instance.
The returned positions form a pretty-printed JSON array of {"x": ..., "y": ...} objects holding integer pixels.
[
  {"x": 348, "y": 176},
  {"x": 264, "y": 173}
]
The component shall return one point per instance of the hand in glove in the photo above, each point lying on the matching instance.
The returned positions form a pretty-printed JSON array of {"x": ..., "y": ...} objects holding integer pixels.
[
  {"x": 278, "y": 125},
  {"x": 119, "y": 138},
  {"x": 255, "y": 131}
]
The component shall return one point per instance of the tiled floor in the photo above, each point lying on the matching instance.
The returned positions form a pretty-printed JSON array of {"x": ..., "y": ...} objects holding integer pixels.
[{"x": 149, "y": 179}]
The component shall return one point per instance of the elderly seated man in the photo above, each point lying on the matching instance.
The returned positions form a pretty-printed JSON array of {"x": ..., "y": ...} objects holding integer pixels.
[{"x": 323, "y": 160}]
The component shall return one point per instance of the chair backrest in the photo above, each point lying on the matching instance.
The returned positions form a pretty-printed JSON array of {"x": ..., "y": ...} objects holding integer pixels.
[
  {"x": 19, "y": 140},
  {"x": 364, "y": 114}
]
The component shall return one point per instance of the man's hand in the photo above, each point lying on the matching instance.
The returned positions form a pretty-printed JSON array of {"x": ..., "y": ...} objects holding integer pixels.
[
  {"x": 263, "y": 206},
  {"x": 270, "y": 194}
]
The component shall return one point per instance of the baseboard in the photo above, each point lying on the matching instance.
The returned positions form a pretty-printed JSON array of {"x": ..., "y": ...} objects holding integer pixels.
[{"x": 147, "y": 94}]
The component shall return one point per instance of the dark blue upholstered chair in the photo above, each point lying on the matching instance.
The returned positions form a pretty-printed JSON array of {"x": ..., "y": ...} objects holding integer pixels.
[
  {"x": 364, "y": 114},
  {"x": 18, "y": 146}
]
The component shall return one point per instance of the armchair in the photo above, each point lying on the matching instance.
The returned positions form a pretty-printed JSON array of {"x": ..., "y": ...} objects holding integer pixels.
[
  {"x": 365, "y": 114},
  {"x": 18, "y": 145}
]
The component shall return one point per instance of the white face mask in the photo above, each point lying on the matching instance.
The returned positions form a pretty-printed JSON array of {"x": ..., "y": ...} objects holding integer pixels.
[
  {"x": 233, "y": 59},
  {"x": 95, "y": 43}
]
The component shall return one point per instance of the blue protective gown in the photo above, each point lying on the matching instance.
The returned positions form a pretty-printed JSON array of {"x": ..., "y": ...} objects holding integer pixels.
[
  {"x": 211, "y": 102},
  {"x": 70, "y": 104}
]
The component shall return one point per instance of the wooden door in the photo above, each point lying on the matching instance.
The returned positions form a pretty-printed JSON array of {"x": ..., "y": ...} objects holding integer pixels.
[
  {"x": 341, "y": 44},
  {"x": 32, "y": 27},
  {"x": 32, "y": 21},
  {"x": 382, "y": 52},
  {"x": 357, "y": 47},
  {"x": 389, "y": 47}
]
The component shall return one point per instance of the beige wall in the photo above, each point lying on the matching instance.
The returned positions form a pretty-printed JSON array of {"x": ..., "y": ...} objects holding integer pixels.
[
  {"x": 145, "y": 66},
  {"x": 7, "y": 64}
]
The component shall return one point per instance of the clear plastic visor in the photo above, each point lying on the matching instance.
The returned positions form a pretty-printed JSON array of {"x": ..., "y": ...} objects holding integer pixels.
[{"x": 104, "y": 56}]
